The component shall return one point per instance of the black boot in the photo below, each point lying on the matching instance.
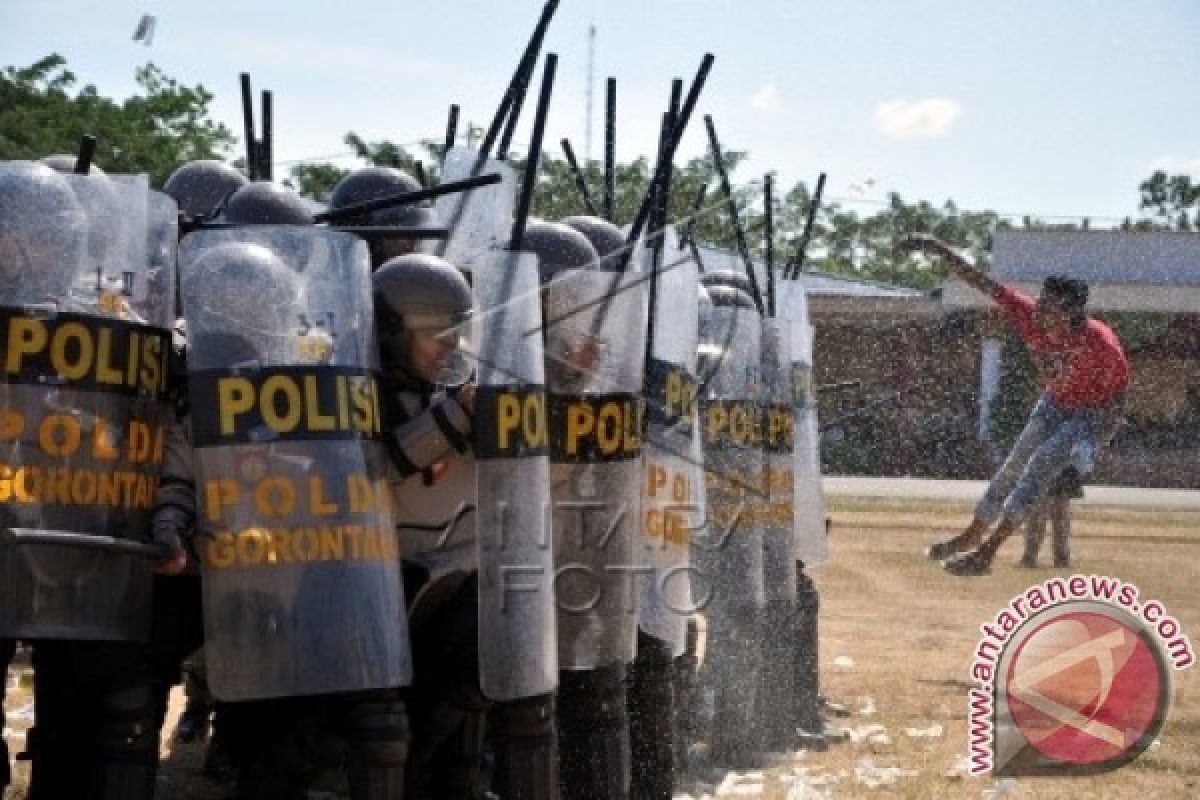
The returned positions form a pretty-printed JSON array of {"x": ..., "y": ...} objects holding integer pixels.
[
  {"x": 651, "y": 719},
  {"x": 808, "y": 717},
  {"x": 687, "y": 727},
  {"x": 377, "y": 737},
  {"x": 526, "y": 749},
  {"x": 735, "y": 653},
  {"x": 593, "y": 734},
  {"x": 777, "y": 687}
]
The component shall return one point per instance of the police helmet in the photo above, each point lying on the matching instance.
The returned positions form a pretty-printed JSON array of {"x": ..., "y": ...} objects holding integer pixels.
[
  {"x": 423, "y": 294},
  {"x": 200, "y": 187}
]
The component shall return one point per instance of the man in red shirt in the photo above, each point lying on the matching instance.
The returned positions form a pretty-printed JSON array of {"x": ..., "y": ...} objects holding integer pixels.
[{"x": 1085, "y": 375}]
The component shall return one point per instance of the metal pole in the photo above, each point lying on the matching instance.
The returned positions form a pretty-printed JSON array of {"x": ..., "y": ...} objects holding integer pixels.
[
  {"x": 534, "y": 157},
  {"x": 580, "y": 183},
  {"x": 738, "y": 232}
]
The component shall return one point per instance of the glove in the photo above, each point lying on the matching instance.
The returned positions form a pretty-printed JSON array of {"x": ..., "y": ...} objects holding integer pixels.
[{"x": 166, "y": 533}]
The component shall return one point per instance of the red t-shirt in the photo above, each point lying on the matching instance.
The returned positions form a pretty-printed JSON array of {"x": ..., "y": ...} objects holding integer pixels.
[{"x": 1090, "y": 368}]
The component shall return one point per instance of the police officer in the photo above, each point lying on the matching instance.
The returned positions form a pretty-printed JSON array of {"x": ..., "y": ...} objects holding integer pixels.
[
  {"x": 201, "y": 188},
  {"x": 424, "y": 307},
  {"x": 373, "y": 183}
]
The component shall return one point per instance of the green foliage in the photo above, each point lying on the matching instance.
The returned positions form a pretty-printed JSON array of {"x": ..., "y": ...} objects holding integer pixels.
[
  {"x": 1171, "y": 198},
  {"x": 154, "y": 131}
]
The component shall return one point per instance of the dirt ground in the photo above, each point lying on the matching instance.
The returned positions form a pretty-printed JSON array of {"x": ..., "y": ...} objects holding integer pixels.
[{"x": 896, "y": 640}]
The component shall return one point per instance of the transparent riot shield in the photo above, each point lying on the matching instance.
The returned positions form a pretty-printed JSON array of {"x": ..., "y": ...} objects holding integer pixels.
[
  {"x": 302, "y": 586},
  {"x": 778, "y": 434},
  {"x": 479, "y": 220},
  {"x": 83, "y": 408},
  {"x": 730, "y": 556},
  {"x": 162, "y": 250},
  {"x": 672, "y": 480},
  {"x": 812, "y": 546},
  {"x": 595, "y": 349},
  {"x": 517, "y": 629}
]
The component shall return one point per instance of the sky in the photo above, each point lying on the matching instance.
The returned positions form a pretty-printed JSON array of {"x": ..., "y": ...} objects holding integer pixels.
[{"x": 1056, "y": 109}]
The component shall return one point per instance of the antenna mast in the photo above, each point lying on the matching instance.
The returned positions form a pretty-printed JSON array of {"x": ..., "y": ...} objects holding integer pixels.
[{"x": 591, "y": 69}]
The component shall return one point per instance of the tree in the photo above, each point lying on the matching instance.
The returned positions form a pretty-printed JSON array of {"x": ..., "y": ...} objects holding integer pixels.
[
  {"x": 1171, "y": 198},
  {"x": 153, "y": 131}
]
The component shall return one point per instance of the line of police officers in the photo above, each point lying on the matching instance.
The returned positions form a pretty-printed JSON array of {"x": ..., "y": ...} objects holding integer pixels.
[{"x": 440, "y": 522}]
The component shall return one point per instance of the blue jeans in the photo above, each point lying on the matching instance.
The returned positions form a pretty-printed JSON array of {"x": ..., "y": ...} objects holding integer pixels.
[{"x": 1053, "y": 438}]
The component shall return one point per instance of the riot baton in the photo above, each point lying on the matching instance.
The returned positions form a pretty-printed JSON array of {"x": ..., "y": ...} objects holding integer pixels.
[
  {"x": 840, "y": 386},
  {"x": 84, "y": 541},
  {"x": 451, "y": 130},
  {"x": 738, "y": 232},
  {"x": 802, "y": 246},
  {"x": 87, "y": 151},
  {"x": 396, "y": 232},
  {"x": 514, "y": 114},
  {"x": 406, "y": 198},
  {"x": 534, "y": 156},
  {"x": 660, "y": 170},
  {"x": 658, "y": 223},
  {"x": 267, "y": 145},
  {"x": 580, "y": 183},
  {"x": 769, "y": 203},
  {"x": 248, "y": 127},
  {"x": 696, "y": 255},
  {"x": 520, "y": 78},
  {"x": 685, "y": 114},
  {"x": 610, "y": 150},
  {"x": 685, "y": 236}
]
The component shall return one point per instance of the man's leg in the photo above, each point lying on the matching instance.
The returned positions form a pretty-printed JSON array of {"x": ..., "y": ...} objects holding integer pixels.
[
  {"x": 651, "y": 717},
  {"x": 96, "y": 735},
  {"x": 1037, "y": 429},
  {"x": 1048, "y": 460},
  {"x": 1035, "y": 534},
  {"x": 593, "y": 733},
  {"x": 1061, "y": 519}
]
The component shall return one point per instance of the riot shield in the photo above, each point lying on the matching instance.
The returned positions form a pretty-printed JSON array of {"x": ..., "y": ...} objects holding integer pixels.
[
  {"x": 595, "y": 349},
  {"x": 162, "y": 250},
  {"x": 83, "y": 410},
  {"x": 778, "y": 433},
  {"x": 479, "y": 220},
  {"x": 302, "y": 586},
  {"x": 730, "y": 554},
  {"x": 517, "y": 650},
  {"x": 812, "y": 546},
  {"x": 672, "y": 477}
]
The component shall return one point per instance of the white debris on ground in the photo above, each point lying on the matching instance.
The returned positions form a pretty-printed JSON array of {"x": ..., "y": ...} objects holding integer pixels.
[
  {"x": 961, "y": 767},
  {"x": 748, "y": 784},
  {"x": 872, "y": 776},
  {"x": 933, "y": 731},
  {"x": 867, "y": 706},
  {"x": 844, "y": 662},
  {"x": 864, "y": 732},
  {"x": 1003, "y": 789}
]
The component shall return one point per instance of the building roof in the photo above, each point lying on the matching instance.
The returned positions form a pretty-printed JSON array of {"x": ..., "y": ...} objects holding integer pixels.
[
  {"x": 1112, "y": 257},
  {"x": 835, "y": 294},
  {"x": 1125, "y": 270}
]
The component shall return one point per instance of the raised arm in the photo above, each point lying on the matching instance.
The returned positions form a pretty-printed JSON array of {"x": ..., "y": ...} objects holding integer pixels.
[{"x": 955, "y": 261}]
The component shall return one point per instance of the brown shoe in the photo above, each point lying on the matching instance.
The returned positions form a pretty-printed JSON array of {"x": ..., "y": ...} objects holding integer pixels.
[
  {"x": 968, "y": 565},
  {"x": 940, "y": 551}
]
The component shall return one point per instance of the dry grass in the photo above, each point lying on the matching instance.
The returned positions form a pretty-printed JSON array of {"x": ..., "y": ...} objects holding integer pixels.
[{"x": 910, "y": 631}]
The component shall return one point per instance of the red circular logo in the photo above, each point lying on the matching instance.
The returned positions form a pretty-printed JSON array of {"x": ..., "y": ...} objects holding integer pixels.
[{"x": 1087, "y": 687}]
